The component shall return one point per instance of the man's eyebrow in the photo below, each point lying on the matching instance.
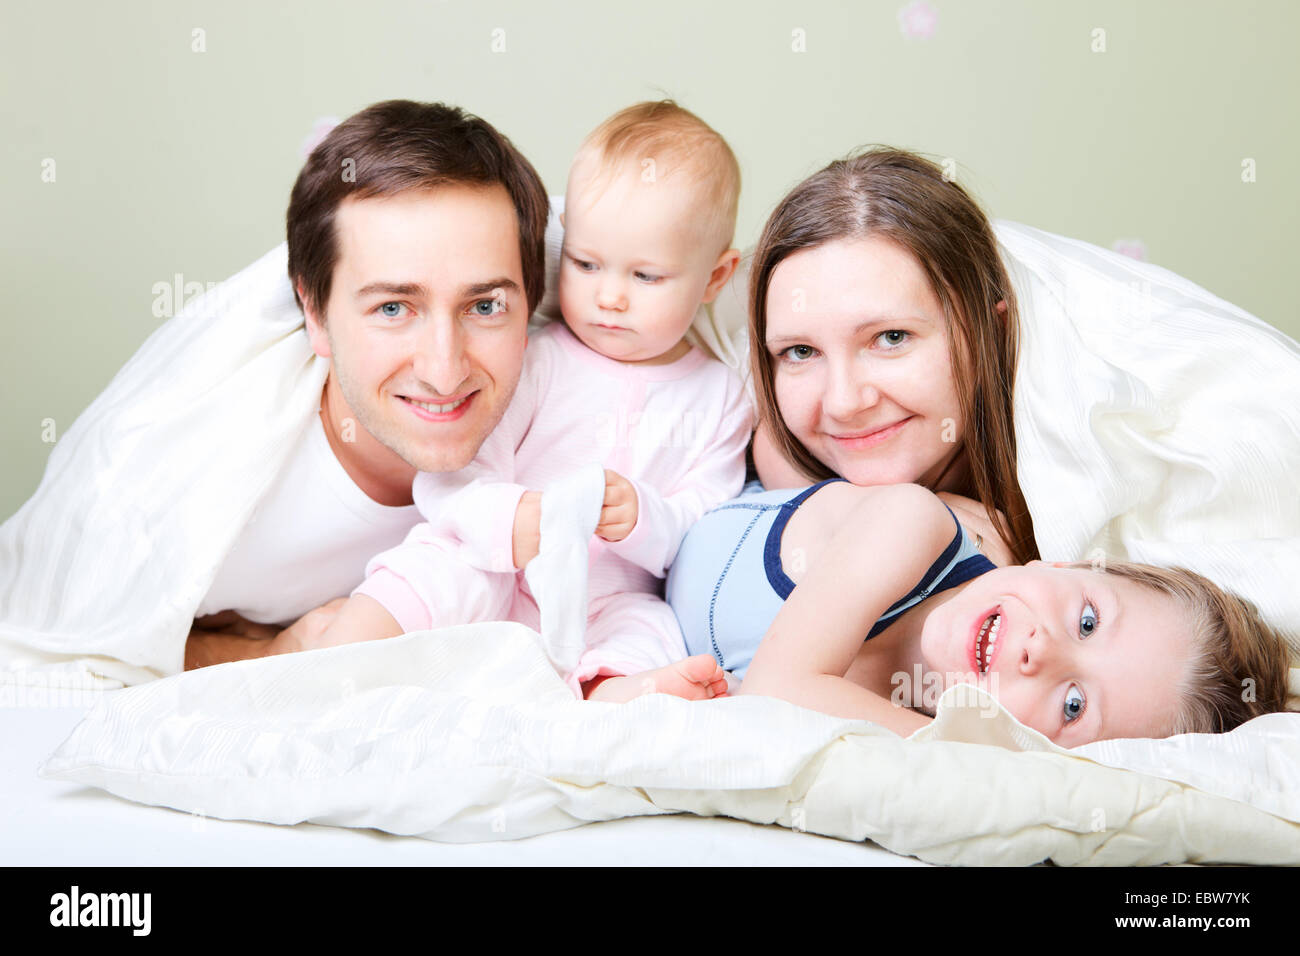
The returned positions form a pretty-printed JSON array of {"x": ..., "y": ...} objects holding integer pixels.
[
  {"x": 419, "y": 290},
  {"x": 393, "y": 288},
  {"x": 482, "y": 288}
]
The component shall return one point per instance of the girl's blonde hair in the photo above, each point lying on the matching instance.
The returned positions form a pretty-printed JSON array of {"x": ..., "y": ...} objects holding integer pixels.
[
  {"x": 902, "y": 197},
  {"x": 1239, "y": 664}
]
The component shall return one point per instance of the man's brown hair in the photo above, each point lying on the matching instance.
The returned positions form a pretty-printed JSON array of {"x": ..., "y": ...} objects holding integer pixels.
[{"x": 396, "y": 146}]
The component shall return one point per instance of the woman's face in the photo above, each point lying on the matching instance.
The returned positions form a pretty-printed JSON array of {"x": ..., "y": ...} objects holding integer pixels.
[{"x": 862, "y": 363}]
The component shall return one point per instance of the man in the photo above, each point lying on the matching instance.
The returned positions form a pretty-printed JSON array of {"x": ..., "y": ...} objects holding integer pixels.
[{"x": 415, "y": 249}]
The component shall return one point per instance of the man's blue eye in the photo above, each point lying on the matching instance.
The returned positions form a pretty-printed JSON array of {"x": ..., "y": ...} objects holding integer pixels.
[
  {"x": 384, "y": 309},
  {"x": 1088, "y": 621},
  {"x": 1074, "y": 704}
]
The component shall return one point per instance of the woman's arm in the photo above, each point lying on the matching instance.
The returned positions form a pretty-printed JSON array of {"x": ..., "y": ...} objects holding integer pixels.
[{"x": 885, "y": 542}]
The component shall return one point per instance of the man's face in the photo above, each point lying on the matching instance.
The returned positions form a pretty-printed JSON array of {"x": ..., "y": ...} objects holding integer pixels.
[{"x": 427, "y": 320}]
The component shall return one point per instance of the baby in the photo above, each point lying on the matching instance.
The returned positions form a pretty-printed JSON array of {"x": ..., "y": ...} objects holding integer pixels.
[{"x": 649, "y": 217}]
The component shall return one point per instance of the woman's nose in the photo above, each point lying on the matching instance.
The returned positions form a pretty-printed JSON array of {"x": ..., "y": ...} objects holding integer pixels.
[{"x": 848, "y": 393}]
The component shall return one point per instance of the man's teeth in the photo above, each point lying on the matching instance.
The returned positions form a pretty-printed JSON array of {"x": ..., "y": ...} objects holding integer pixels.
[
  {"x": 438, "y": 409},
  {"x": 990, "y": 629}
]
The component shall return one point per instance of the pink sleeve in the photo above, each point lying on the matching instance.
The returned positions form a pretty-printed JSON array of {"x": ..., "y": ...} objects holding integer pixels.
[
  {"x": 473, "y": 509},
  {"x": 398, "y": 598},
  {"x": 717, "y": 475}
]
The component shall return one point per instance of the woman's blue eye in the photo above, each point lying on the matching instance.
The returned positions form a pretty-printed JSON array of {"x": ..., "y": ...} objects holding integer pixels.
[
  {"x": 384, "y": 309},
  {"x": 1088, "y": 621},
  {"x": 895, "y": 337},
  {"x": 1074, "y": 704},
  {"x": 797, "y": 353}
]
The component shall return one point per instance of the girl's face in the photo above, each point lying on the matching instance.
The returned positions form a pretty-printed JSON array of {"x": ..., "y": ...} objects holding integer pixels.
[
  {"x": 862, "y": 363},
  {"x": 1078, "y": 655}
]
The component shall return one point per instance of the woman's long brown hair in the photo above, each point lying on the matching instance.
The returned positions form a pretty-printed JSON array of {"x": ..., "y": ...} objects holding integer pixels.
[{"x": 902, "y": 197}]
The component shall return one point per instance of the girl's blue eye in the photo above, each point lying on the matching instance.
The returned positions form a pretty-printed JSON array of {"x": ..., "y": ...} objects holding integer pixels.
[
  {"x": 1088, "y": 621},
  {"x": 384, "y": 310},
  {"x": 894, "y": 337},
  {"x": 1074, "y": 704},
  {"x": 797, "y": 353}
]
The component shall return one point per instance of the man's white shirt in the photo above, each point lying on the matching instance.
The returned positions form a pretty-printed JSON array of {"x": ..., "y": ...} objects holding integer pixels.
[{"x": 308, "y": 541}]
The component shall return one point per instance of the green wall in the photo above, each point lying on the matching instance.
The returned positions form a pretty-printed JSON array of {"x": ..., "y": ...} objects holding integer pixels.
[{"x": 168, "y": 160}]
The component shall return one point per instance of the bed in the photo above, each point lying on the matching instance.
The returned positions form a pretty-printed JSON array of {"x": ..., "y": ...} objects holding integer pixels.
[{"x": 467, "y": 737}]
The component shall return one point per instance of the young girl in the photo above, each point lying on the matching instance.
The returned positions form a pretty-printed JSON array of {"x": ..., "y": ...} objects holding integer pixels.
[
  {"x": 650, "y": 213},
  {"x": 782, "y": 588}
]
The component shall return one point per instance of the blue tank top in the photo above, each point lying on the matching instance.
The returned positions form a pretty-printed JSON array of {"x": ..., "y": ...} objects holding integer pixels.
[{"x": 727, "y": 583}]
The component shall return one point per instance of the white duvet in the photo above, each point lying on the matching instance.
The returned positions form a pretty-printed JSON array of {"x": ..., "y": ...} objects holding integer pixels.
[{"x": 1154, "y": 422}]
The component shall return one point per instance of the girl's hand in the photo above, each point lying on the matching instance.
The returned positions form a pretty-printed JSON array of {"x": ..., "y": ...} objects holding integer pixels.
[
  {"x": 976, "y": 521},
  {"x": 619, "y": 513}
]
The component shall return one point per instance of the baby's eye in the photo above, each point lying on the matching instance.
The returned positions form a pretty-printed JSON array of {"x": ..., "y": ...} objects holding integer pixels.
[
  {"x": 1088, "y": 621},
  {"x": 647, "y": 277},
  {"x": 390, "y": 310},
  {"x": 493, "y": 307},
  {"x": 893, "y": 338},
  {"x": 582, "y": 264},
  {"x": 1074, "y": 704},
  {"x": 797, "y": 354}
]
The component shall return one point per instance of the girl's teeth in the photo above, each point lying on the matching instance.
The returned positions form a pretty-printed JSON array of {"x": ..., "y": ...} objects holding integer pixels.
[{"x": 985, "y": 654}]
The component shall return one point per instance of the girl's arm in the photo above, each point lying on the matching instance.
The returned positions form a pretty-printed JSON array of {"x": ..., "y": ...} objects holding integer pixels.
[
  {"x": 774, "y": 471},
  {"x": 884, "y": 544}
]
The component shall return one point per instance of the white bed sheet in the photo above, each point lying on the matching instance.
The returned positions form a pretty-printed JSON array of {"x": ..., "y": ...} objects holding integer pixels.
[{"x": 52, "y": 823}]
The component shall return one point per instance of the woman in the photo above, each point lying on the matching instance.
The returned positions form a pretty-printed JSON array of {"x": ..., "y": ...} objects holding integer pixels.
[{"x": 883, "y": 332}]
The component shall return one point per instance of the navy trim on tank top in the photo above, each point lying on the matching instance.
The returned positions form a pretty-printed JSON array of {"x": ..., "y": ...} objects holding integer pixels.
[
  {"x": 776, "y": 575},
  {"x": 969, "y": 568}
]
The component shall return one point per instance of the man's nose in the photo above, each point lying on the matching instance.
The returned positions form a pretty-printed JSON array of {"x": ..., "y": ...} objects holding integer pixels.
[
  {"x": 848, "y": 391},
  {"x": 439, "y": 359}
]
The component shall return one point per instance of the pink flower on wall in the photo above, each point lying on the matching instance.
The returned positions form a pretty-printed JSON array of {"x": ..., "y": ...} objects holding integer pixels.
[
  {"x": 320, "y": 129},
  {"x": 918, "y": 19},
  {"x": 1133, "y": 248}
]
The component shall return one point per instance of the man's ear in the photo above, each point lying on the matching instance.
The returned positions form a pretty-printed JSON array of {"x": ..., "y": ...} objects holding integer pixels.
[
  {"x": 320, "y": 343},
  {"x": 1002, "y": 308},
  {"x": 723, "y": 270}
]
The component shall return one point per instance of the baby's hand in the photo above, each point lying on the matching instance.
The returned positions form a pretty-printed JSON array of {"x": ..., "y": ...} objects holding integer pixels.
[
  {"x": 527, "y": 539},
  {"x": 618, "y": 515}
]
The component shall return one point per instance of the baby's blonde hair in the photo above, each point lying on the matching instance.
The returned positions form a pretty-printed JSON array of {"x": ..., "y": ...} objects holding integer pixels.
[
  {"x": 661, "y": 139},
  {"x": 1238, "y": 665}
]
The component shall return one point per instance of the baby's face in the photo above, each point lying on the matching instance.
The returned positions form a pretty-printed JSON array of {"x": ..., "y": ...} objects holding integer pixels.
[
  {"x": 635, "y": 268},
  {"x": 1078, "y": 655}
]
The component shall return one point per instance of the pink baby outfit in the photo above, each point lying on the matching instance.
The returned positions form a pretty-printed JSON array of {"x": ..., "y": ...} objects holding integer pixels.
[{"x": 676, "y": 432}]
